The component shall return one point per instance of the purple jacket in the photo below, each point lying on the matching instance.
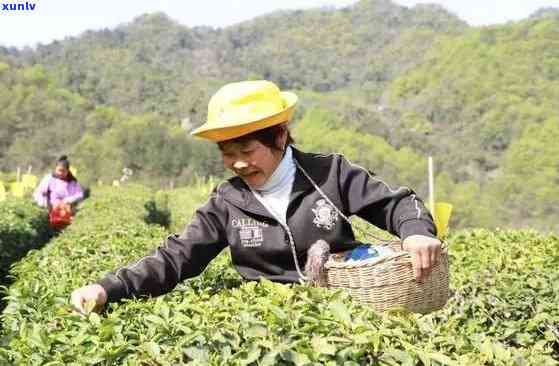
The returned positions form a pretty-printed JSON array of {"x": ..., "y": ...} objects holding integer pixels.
[{"x": 52, "y": 191}]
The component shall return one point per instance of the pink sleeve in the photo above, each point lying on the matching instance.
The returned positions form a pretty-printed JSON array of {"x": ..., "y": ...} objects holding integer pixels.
[
  {"x": 40, "y": 194},
  {"x": 75, "y": 191}
]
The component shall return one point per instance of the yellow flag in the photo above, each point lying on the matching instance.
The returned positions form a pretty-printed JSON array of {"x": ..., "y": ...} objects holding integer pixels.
[
  {"x": 29, "y": 181},
  {"x": 442, "y": 214},
  {"x": 74, "y": 171},
  {"x": 17, "y": 189}
]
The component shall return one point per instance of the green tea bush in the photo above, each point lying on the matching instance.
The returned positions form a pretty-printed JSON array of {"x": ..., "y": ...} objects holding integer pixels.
[
  {"x": 182, "y": 202},
  {"x": 23, "y": 226},
  {"x": 504, "y": 288}
]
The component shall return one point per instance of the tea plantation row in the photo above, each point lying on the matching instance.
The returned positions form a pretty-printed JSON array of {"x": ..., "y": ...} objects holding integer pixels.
[
  {"x": 23, "y": 226},
  {"x": 503, "y": 309}
]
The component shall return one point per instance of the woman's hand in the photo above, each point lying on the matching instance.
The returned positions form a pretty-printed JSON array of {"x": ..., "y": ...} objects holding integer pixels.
[
  {"x": 62, "y": 205},
  {"x": 425, "y": 252},
  {"x": 88, "y": 293}
]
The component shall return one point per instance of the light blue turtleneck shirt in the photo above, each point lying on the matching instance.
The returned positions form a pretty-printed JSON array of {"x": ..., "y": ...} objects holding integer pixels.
[{"x": 274, "y": 194}]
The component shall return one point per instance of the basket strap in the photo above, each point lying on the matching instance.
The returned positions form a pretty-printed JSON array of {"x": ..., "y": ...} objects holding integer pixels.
[
  {"x": 302, "y": 277},
  {"x": 383, "y": 241}
]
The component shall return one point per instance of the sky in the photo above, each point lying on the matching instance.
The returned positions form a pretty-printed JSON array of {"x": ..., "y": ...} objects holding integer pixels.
[{"x": 57, "y": 19}]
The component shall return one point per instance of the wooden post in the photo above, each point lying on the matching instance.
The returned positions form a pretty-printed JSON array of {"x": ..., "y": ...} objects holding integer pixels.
[
  {"x": 431, "y": 187},
  {"x": 18, "y": 176}
]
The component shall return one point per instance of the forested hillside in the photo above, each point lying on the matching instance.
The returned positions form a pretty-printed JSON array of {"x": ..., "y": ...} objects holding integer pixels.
[{"x": 384, "y": 84}]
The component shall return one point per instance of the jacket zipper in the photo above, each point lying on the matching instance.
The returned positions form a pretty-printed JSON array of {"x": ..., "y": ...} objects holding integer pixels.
[{"x": 302, "y": 277}]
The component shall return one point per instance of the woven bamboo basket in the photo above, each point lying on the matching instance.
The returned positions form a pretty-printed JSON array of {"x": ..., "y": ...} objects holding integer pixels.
[{"x": 390, "y": 282}]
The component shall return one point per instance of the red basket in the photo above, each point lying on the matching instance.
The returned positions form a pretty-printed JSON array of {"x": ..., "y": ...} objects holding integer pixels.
[{"x": 60, "y": 217}]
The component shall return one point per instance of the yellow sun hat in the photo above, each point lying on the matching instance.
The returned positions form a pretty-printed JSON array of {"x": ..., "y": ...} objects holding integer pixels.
[{"x": 244, "y": 107}]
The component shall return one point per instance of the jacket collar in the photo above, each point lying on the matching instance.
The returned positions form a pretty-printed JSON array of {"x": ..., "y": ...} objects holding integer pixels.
[
  {"x": 317, "y": 167},
  {"x": 236, "y": 191}
]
